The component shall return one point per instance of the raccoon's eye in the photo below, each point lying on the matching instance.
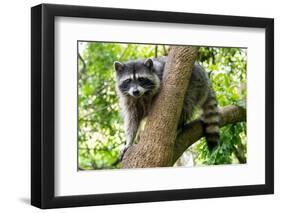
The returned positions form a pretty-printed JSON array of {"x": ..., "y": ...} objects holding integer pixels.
[
  {"x": 124, "y": 86},
  {"x": 127, "y": 81},
  {"x": 144, "y": 82},
  {"x": 141, "y": 80}
]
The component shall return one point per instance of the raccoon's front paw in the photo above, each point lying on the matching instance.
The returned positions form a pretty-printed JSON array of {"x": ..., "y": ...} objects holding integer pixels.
[{"x": 122, "y": 153}]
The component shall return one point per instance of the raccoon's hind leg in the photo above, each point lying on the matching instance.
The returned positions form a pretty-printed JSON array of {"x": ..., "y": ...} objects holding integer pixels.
[
  {"x": 211, "y": 120},
  {"x": 186, "y": 114}
]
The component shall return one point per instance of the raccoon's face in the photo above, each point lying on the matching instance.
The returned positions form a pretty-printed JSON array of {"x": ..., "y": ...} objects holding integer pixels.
[{"x": 137, "y": 78}]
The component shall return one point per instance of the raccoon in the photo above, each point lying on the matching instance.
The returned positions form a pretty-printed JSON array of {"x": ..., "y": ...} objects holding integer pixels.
[{"x": 139, "y": 81}]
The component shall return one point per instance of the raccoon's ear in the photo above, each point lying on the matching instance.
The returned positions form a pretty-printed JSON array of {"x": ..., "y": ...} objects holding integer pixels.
[
  {"x": 148, "y": 63},
  {"x": 118, "y": 66}
]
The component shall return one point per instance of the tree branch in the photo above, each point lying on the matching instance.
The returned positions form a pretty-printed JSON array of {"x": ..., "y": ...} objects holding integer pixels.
[
  {"x": 194, "y": 130},
  {"x": 155, "y": 148},
  {"x": 83, "y": 69}
]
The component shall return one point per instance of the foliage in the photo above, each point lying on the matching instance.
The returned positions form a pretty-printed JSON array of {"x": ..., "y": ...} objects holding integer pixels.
[{"x": 100, "y": 132}]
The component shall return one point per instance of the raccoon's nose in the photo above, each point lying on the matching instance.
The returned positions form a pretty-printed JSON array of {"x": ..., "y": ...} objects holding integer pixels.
[{"x": 136, "y": 92}]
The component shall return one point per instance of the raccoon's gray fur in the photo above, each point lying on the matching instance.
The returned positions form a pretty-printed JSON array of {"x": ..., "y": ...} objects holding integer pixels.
[{"x": 137, "y": 83}]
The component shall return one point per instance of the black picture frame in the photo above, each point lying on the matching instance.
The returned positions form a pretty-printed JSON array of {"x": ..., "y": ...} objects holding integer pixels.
[{"x": 43, "y": 102}]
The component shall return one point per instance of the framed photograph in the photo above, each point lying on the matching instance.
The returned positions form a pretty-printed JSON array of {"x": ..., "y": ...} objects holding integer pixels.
[{"x": 139, "y": 106}]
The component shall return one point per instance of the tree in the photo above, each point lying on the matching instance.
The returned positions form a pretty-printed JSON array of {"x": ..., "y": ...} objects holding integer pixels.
[{"x": 159, "y": 145}]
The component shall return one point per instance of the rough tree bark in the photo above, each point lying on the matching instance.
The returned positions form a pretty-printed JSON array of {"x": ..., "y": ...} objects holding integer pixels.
[
  {"x": 159, "y": 145},
  {"x": 155, "y": 148}
]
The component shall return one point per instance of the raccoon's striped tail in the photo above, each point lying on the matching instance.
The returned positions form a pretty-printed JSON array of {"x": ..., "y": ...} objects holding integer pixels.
[{"x": 211, "y": 120}]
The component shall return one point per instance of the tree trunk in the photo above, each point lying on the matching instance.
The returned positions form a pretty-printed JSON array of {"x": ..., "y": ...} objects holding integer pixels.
[{"x": 156, "y": 144}]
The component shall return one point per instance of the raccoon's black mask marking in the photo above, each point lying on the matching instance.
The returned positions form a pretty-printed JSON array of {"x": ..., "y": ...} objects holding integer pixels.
[
  {"x": 146, "y": 83},
  {"x": 143, "y": 82}
]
